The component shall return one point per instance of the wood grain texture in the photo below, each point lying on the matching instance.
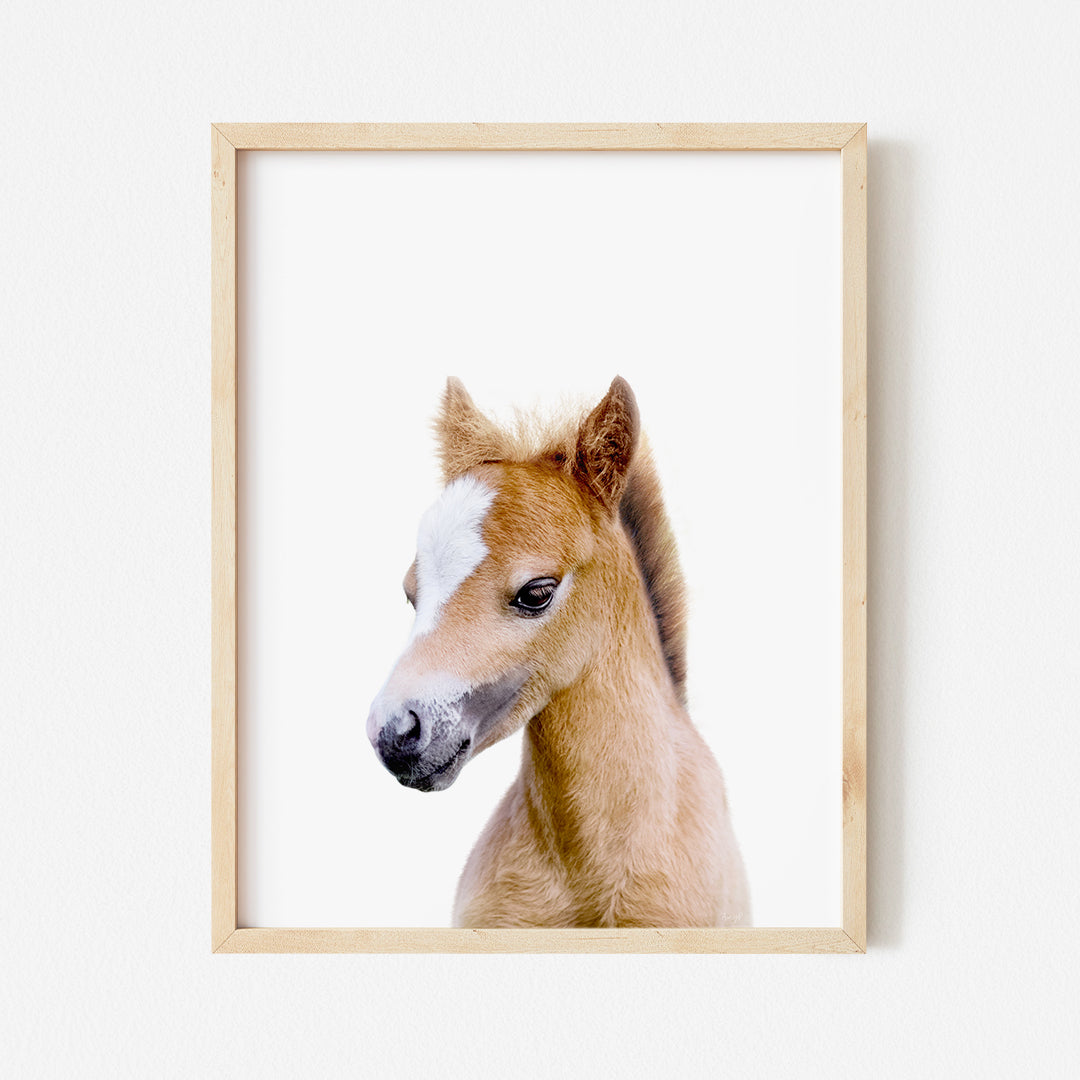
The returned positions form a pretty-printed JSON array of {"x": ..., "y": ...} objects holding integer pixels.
[
  {"x": 223, "y": 537},
  {"x": 422, "y": 939},
  {"x": 853, "y": 169},
  {"x": 226, "y": 140},
  {"x": 538, "y": 136}
]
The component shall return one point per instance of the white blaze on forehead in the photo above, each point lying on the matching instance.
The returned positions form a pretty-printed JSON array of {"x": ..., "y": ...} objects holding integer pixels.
[{"x": 449, "y": 547}]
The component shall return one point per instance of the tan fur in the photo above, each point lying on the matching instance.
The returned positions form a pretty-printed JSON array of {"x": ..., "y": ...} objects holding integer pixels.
[
  {"x": 618, "y": 816},
  {"x": 467, "y": 438}
]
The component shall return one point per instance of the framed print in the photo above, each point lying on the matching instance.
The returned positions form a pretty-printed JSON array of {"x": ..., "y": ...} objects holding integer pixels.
[{"x": 539, "y": 537}]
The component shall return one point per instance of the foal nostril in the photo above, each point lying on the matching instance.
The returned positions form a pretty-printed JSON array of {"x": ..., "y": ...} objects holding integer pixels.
[
  {"x": 404, "y": 737},
  {"x": 405, "y": 732}
]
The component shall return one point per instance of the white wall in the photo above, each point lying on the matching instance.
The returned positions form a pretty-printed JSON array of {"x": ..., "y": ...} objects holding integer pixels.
[{"x": 104, "y": 555}]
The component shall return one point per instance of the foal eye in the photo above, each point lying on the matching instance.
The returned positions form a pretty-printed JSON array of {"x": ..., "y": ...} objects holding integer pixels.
[{"x": 533, "y": 598}]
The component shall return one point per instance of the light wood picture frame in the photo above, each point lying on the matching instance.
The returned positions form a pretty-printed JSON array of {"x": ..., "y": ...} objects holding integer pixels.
[{"x": 849, "y": 140}]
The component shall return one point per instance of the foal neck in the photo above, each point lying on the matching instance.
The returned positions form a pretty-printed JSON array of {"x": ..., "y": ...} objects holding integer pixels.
[{"x": 602, "y": 756}]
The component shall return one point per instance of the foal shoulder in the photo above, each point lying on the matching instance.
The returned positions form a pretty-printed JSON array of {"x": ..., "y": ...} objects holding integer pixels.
[{"x": 507, "y": 880}]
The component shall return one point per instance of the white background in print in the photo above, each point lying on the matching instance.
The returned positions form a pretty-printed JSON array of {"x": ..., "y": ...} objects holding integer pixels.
[{"x": 712, "y": 283}]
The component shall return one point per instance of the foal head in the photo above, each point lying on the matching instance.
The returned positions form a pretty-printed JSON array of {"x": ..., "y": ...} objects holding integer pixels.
[{"x": 511, "y": 583}]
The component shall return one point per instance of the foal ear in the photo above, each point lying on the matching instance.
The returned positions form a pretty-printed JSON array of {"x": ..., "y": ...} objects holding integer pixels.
[
  {"x": 466, "y": 436},
  {"x": 605, "y": 444}
]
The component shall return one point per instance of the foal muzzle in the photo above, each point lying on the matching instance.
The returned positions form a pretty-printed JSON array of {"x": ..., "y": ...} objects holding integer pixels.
[
  {"x": 425, "y": 740},
  {"x": 425, "y": 747}
]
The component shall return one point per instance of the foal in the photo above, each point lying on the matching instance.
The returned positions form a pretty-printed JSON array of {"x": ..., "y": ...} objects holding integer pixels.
[{"x": 548, "y": 594}]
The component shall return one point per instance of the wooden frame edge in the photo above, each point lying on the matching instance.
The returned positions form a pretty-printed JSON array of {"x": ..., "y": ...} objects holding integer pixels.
[
  {"x": 853, "y": 166},
  {"x": 226, "y": 140},
  {"x": 689, "y": 136},
  {"x": 437, "y": 940},
  {"x": 223, "y": 538}
]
